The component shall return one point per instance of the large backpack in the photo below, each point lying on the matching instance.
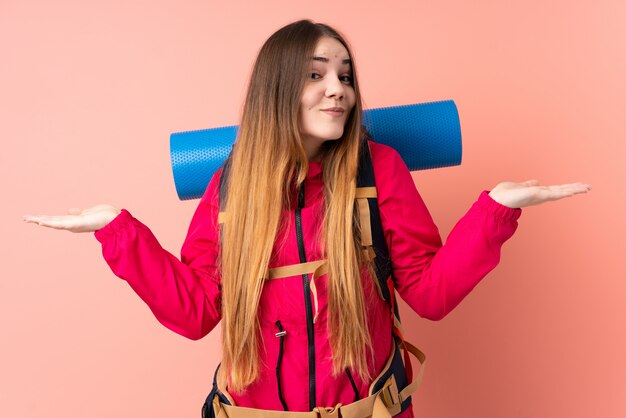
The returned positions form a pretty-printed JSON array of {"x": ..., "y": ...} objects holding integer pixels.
[{"x": 395, "y": 383}]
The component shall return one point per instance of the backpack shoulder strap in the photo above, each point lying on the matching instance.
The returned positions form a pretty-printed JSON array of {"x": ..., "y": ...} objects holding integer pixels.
[
  {"x": 372, "y": 234},
  {"x": 367, "y": 201}
]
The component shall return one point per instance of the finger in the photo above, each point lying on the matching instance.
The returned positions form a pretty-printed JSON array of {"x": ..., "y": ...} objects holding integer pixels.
[
  {"x": 571, "y": 184},
  {"x": 64, "y": 222},
  {"x": 572, "y": 187},
  {"x": 578, "y": 188},
  {"x": 55, "y": 224},
  {"x": 32, "y": 218},
  {"x": 565, "y": 190},
  {"x": 532, "y": 182},
  {"x": 37, "y": 218}
]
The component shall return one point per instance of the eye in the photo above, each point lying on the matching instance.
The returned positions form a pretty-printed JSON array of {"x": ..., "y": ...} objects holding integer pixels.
[{"x": 346, "y": 79}]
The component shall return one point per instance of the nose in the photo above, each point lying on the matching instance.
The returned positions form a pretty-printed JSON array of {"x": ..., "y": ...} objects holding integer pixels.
[{"x": 335, "y": 88}]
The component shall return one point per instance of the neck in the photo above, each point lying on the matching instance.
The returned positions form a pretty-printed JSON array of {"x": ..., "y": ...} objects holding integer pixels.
[{"x": 312, "y": 148}]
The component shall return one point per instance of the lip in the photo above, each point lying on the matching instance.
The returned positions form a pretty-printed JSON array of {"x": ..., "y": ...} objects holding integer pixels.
[{"x": 334, "y": 111}]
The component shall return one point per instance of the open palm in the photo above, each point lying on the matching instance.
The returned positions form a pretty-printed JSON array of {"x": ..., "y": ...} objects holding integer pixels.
[
  {"x": 529, "y": 193},
  {"x": 78, "y": 220}
]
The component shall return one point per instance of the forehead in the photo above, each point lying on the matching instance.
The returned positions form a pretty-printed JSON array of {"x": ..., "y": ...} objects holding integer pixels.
[{"x": 330, "y": 48}]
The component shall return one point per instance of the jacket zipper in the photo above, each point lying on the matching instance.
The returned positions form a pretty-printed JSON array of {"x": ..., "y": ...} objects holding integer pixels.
[{"x": 307, "y": 300}]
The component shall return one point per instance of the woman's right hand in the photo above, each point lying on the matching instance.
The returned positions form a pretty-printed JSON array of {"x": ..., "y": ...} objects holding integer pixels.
[{"x": 78, "y": 220}]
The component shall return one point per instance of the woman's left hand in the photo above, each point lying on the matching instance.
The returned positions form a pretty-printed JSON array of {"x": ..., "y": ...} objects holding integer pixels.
[{"x": 528, "y": 193}]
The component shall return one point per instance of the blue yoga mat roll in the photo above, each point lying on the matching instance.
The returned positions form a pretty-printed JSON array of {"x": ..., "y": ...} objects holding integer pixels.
[{"x": 426, "y": 135}]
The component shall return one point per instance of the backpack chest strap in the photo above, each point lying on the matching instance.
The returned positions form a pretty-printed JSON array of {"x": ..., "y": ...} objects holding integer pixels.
[{"x": 314, "y": 268}]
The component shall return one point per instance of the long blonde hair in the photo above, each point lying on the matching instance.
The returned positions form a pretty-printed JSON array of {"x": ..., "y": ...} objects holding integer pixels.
[{"x": 267, "y": 162}]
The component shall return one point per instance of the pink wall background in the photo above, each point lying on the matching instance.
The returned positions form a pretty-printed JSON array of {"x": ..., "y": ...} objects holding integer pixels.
[{"x": 90, "y": 91}]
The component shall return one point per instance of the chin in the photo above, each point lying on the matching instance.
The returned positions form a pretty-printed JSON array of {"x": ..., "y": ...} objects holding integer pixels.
[{"x": 332, "y": 136}]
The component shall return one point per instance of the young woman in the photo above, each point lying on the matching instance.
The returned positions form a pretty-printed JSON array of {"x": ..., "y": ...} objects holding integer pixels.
[{"x": 305, "y": 341}]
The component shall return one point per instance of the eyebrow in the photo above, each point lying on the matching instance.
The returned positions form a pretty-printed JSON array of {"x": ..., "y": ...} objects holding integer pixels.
[{"x": 325, "y": 60}]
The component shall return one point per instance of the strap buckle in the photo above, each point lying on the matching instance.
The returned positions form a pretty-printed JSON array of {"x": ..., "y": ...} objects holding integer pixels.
[
  {"x": 216, "y": 405},
  {"x": 391, "y": 396},
  {"x": 327, "y": 412}
]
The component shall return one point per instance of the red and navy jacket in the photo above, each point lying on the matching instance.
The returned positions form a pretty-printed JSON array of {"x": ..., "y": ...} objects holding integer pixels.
[{"x": 432, "y": 278}]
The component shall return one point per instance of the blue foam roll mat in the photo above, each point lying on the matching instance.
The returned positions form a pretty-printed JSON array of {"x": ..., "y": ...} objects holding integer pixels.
[{"x": 426, "y": 135}]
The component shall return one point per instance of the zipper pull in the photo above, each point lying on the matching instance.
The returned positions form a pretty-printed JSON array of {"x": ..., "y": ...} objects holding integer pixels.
[{"x": 281, "y": 333}]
